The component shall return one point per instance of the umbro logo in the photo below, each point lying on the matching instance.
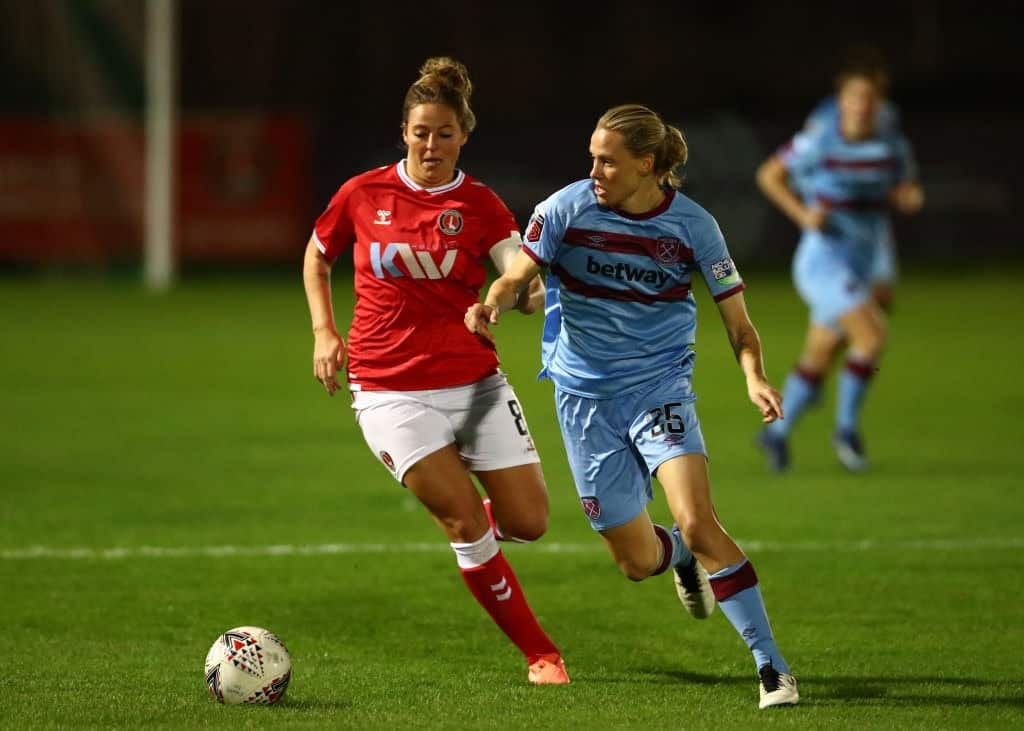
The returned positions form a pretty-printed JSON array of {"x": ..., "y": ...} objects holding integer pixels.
[{"x": 383, "y": 217}]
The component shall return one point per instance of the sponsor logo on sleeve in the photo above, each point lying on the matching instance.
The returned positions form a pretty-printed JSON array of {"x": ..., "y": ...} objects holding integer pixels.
[
  {"x": 724, "y": 272},
  {"x": 534, "y": 228}
]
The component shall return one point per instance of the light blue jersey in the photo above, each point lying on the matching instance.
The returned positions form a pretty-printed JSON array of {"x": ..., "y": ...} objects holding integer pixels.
[
  {"x": 826, "y": 114},
  {"x": 884, "y": 266},
  {"x": 834, "y": 267},
  {"x": 620, "y": 313}
]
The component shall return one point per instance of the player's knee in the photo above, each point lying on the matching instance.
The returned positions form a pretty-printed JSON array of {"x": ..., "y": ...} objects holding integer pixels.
[
  {"x": 816, "y": 358},
  {"x": 525, "y": 528},
  {"x": 875, "y": 342},
  {"x": 870, "y": 343}
]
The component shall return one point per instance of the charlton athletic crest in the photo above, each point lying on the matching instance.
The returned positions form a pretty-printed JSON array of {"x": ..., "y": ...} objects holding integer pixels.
[
  {"x": 668, "y": 249},
  {"x": 450, "y": 222},
  {"x": 387, "y": 460},
  {"x": 592, "y": 507}
]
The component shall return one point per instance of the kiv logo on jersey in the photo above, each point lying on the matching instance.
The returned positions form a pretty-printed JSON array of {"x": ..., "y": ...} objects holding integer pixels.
[
  {"x": 450, "y": 222},
  {"x": 420, "y": 264}
]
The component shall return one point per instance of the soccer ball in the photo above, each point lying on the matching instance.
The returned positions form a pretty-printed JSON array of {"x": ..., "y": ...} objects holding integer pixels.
[{"x": 248, "y": 665}]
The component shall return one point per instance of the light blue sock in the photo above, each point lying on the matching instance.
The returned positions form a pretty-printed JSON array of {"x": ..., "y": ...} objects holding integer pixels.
[
  {"x": 801, "y": 390},
  {"x": 853, "y": 385},
  {"x": 681, "y": 555},
  {"x": 676, "y": 551},
  {"x": 739, "y": 597}
]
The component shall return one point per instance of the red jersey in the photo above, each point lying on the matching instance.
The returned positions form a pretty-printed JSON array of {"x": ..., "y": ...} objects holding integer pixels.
[{"x": 418, "y": 256}]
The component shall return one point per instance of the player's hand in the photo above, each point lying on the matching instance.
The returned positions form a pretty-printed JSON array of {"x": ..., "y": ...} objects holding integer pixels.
[
  {"x": 328, "y": 358},
  {"x": 767, "y": 400},
  {"x": 479, "y": 319},
  {"x": 814, "y": 218},
  {"x": 907, "y": 197}
]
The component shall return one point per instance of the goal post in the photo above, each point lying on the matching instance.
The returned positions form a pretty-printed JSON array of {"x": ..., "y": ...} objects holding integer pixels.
[{"x": 160, "y": 116}]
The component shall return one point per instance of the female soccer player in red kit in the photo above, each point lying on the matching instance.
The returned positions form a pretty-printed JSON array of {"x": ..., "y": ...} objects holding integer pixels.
[{"x": 428, "y": 395}]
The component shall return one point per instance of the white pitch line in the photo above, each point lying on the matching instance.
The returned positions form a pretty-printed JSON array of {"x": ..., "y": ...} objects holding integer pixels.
[{"x": 327, "y": 549}]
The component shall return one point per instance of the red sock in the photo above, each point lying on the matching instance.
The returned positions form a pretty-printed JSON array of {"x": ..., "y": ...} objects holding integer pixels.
[{"x": 496, "y": 587}]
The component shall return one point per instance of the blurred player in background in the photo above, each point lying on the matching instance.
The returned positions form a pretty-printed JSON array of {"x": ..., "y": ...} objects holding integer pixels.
[
  {"x": 852, "y": 172},
  {"x": 884, "y": 262},
  {"x": 427, "y": 394},
  {"x": 622, "y": 246}
]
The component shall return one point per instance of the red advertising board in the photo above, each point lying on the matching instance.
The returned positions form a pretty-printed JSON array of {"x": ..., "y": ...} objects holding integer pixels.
[{"x": 74, "y": 191}]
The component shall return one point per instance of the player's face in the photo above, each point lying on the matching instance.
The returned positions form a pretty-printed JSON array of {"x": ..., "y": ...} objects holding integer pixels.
[
  {"x": 859, "y": 102},
  {"x": 617, "y": 174},
  {"x": 434, "y": 138}
]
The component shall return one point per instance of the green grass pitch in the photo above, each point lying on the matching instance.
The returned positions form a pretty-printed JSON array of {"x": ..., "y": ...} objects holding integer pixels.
[{"x": 169, "y": 427}]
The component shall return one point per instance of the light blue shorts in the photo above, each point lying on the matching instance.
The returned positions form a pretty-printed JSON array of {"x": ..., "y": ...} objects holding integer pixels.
[
  {"x": 615, "y": 445},
  {"x": 884, "y": 264},
  {"x": 827, "y": 282}
]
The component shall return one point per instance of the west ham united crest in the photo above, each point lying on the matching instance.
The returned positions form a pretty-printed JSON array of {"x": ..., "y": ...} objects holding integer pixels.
[
  {"x": 591, "y": 506},
  {"x": 668, "y": 249},
  {"x": 450, "y": 222}
]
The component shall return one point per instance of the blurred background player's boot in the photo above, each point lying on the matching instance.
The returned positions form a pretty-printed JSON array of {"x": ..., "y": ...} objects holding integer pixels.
[
  {"x": 775, "y": 448},
  {"x": 850, "y": 451},
  {"x": 777, "y": 689}
]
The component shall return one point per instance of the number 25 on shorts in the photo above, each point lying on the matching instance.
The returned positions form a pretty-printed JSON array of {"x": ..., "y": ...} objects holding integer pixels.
[{"x": 662, "y": 420}]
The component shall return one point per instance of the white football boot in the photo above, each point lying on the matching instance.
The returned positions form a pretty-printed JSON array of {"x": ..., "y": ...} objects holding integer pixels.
[
  {"x": 694, "y": 589},
  {"x": 777, "y": 689}
]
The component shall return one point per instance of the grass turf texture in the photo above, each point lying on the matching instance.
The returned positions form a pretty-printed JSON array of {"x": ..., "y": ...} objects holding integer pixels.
[{"x": 192, "y": 420}]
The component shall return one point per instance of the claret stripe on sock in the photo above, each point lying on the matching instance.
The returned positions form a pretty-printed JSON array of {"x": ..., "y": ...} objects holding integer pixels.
[
  {"x": 808, "y": 375},
  {"x": 666, "y": 554},
  {"x": 726, "y": 586},
  {"x": 862, "y": 370}
]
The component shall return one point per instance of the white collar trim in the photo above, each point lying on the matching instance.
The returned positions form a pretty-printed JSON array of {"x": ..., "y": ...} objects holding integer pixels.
[{"x": 459, "y": 177}]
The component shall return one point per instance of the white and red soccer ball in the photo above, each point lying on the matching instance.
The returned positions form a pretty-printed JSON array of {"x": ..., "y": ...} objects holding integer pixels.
[{"x": 248, "y": 665}]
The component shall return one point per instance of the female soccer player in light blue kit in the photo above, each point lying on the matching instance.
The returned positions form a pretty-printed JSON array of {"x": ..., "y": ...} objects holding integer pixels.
[
  {"x": 853, "y": 171},
  {"x": 622, "y": 246},
  {"x": 884, "y": 265},
  {"x": 884, "y": 262}
]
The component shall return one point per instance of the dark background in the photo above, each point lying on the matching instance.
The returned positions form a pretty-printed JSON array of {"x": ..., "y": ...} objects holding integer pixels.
[{"x": 738, "y": 78}]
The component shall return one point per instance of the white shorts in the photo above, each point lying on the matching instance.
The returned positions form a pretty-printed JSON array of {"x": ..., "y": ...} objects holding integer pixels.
[{"x": 483, "y": 419}]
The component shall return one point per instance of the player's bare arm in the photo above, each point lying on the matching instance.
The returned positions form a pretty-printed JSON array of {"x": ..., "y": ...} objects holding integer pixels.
[
  {"x": 504, "y": 294},
  {"x": 746, "y": 344},
  {"x": 771, "y": 179},
  {"x": 328, "y": 345},
  {"x": 503, "y": 253},
  {"x": 531, "y": 299}
]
